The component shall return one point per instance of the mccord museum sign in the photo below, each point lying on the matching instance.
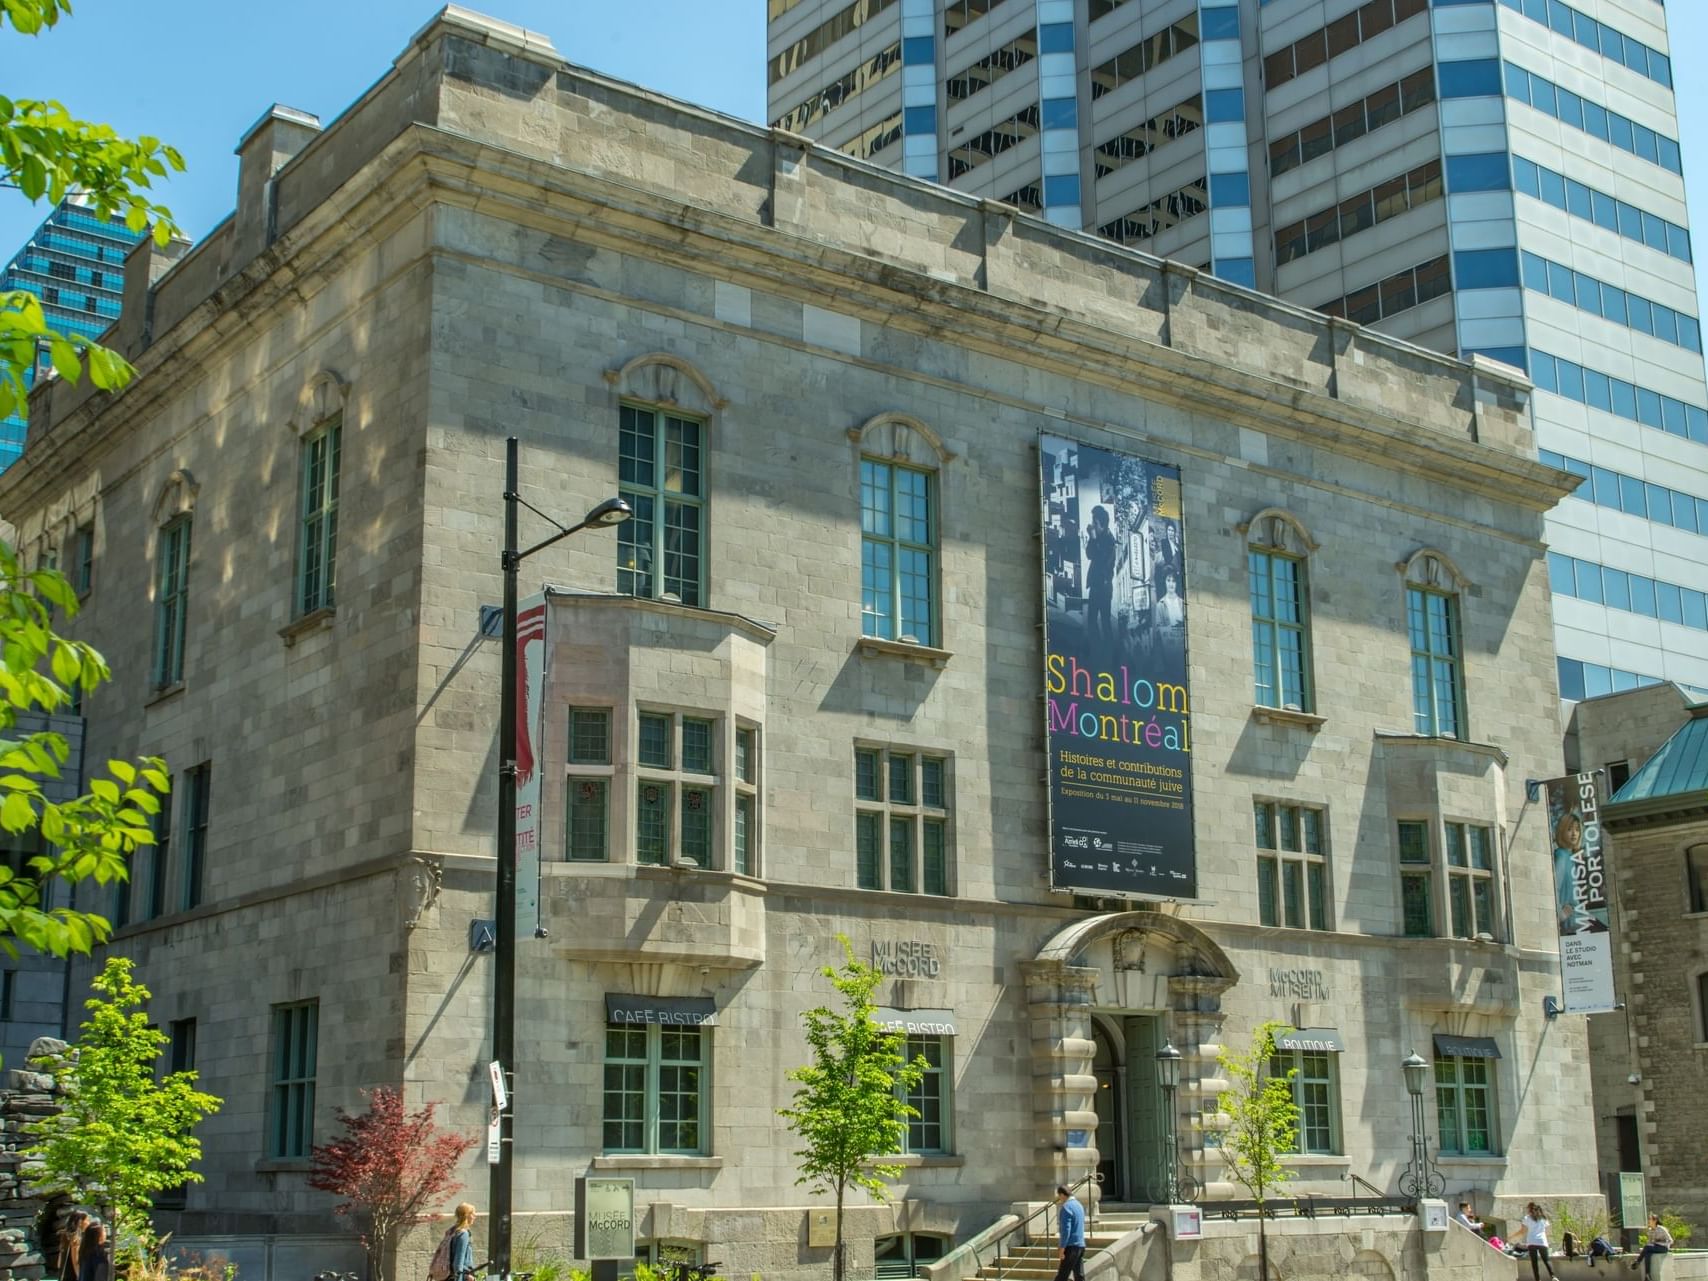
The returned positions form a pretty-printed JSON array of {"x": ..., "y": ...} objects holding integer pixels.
[{"x": 1118, "y": 711}]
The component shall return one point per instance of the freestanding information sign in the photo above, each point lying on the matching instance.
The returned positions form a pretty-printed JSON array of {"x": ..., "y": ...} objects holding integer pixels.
[{"x": 605, "y": 1223}]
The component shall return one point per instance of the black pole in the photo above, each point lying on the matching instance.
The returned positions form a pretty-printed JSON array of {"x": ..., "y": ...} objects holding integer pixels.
[{"x": 504, "y": 977}]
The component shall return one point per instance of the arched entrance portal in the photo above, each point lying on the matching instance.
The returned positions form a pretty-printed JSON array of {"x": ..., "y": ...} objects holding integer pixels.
[{"x": 1105, "y": 994}]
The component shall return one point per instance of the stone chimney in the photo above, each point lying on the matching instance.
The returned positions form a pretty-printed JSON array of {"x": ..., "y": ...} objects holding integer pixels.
[
  {"x": 265, "y": 149},
  {"x": 145, "y": 264}
]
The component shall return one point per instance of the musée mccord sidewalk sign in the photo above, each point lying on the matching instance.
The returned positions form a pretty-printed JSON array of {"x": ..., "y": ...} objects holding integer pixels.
[
  {"x": 1118, "y": 712},
  {"x": 604, "y": 1219}
]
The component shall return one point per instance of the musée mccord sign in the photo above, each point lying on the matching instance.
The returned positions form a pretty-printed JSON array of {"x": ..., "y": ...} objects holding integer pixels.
[{"x": 1118, "y": 711}]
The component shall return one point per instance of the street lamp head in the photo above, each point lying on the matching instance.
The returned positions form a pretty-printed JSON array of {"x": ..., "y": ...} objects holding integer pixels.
[
  {"x": 1168, "y": 1066},
  {"x": 613, "y": 511},
  {"x": 1415, "y": 1069}
]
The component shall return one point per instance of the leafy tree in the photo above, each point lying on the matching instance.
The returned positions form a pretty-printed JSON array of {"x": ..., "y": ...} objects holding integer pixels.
[
  {"x": 123, "y": 1136},
  {"x": 47, "y": 153},
  {"x": 388, "y": 1165},
  {"x": 88, "y": 838},
  {"x": 1263, "y": 1124},
  {"x": 850, "y": 1105}
]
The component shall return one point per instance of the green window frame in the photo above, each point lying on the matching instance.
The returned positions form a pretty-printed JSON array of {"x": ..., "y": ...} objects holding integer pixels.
[
  {"x": 931, "y": 1132},
  {"x": 317, "y": 554},
  {"x": 1292, "y": 865},
  {"x": 159, "y": 859},
  {"x": 745, "y": 836},
  {"x": 898, "y": 552},
  {"x": 1280, "y": 630},
  {"x": 171, "y": 601},
  {"x": 661, "y": 548},
  {"x": 1465, "y": 1115},
  {"x": 1471, "y": 880},
  {"x": 198, "y": 790},
  {"x": 697, "y": 794},
  {"x": 1417, "y": 879},
  {"x": 587, "y": 786},
  {"x": 657, "y": 1090},
  {"x": 1696, "y": 878},
  {"x": 903, "y": 817},
  {"x": 1316, "y": 1093},
  {"x": 85, "y": 559},
  {"x": 1437, "y": 673},
  {"x": 290, "y": 1128}
]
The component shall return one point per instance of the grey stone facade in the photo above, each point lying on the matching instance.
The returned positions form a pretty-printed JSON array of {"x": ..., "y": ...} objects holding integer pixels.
[{"x": 491, "y": 242}]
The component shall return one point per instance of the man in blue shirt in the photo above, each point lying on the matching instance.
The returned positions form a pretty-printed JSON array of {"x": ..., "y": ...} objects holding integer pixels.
[{"x": 1071, "y": 1237}]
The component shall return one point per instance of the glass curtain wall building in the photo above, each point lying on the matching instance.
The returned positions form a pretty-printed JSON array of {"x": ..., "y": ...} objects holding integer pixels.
[
  {"x": 75, "y": 263},
  {"x": 1479, "y": 176}
]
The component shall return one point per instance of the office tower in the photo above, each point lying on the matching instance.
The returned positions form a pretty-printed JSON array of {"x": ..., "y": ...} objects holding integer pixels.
[
  {"x": 74, "y": 262},
  {"x": 1479, "y": 176}
]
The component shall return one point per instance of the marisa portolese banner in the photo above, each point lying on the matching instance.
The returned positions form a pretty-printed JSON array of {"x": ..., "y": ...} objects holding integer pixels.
[
  {"x": 1580, "y": 895},
  {"x": 1118, "y": 711}
]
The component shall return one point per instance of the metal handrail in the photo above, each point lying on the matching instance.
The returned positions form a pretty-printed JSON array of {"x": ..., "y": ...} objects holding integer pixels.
[{"x": 1025, "y": 1225}]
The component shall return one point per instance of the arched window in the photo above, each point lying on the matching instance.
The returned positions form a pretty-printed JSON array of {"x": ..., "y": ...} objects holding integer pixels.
[
  {"x": 320, "y": 427},
  {"x": 665, "y": 413},
  {"x": 1276, "y": 558},
  {"x": 1434, "y": 588},
  {"x": 900, "y": 459}
]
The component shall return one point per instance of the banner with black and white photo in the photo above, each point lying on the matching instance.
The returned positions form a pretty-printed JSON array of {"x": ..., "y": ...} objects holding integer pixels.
[
  {"x": 1580, "y": 894},
  {"x": 1118, "y": 714}
]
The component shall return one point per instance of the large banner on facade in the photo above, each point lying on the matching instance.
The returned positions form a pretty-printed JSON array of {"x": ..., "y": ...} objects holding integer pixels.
[
  {"x": 1118, "y": 716},
  {"x": 1580, "y": 895},
  {"x": 531, "y": 654}
]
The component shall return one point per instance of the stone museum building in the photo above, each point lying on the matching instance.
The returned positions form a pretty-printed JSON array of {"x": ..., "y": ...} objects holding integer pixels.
[{"x": 801, "y": 694}]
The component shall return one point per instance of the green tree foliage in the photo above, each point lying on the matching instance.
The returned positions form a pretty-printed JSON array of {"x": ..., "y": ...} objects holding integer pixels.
[
  {"x": 1263, "y": 1123},
  {"x": 850, "y": 1104},
  {"x": 91, "y": 837},
  {"x": 123, "y": 1136},
  {"x": 47, "y": 153}
]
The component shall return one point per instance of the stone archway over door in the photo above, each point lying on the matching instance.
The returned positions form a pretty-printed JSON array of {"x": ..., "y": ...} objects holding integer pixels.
[{"x": 1141, "y": 962}]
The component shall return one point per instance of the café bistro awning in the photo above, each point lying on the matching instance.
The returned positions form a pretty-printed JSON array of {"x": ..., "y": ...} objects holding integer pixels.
[
  {"x": 1312, "y": 1040},
  {"x": 1466, "y": 1047},
  {"x": 916, "y": 1022},
  {"x": 668, "y": 1011}
]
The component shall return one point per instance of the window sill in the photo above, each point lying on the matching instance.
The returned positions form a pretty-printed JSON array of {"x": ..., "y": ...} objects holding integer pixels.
[
  {"x": 923, "y": 1160},
  {"x": 1318, "y": 1160},
  {"x": 1288, "y": 716},
  {"x": 1452, "y": 1158},
  {"x": 647, "y": 1161},
  {"x": 878, "y": 647},
  {"x": 313, "y": 621},
  {"x": 284, "y": 1165},
  {"x": 163, "y": 693}
]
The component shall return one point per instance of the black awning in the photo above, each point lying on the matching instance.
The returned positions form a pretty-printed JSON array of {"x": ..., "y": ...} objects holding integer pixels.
[
  {"x": 670, "y": 1011},
  {"x": 1466, "y": 1047},
  {"x": 1312, "y": 1040}
]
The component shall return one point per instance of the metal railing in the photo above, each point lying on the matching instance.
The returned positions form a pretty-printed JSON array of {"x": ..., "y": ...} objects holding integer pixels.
[{"x": 1024, "y": 1227}]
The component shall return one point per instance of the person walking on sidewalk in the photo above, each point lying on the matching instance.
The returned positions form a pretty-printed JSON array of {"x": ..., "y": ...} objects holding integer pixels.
[
  {"x": 1536, "y": 1240},
  {"x": 1070, "y": 1235},
  {"x": 1660, "y": 1242}
]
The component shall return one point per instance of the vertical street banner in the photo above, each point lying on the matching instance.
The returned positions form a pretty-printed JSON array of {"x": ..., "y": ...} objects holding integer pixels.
[
  {"x": 1580, "y": 895},
  {"x": 1118, "y": 716},
  {"x": 531, "y": 652}
]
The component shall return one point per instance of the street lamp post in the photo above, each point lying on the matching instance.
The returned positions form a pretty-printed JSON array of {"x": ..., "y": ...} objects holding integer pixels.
[
  {"x": 1168, "y": 1077},
  {"x": 1421, "y": 1177},
  {"x": 613, "y": 511}
]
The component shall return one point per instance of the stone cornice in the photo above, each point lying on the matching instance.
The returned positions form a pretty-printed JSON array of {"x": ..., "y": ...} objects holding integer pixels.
[{"x": 425, "y": 166}]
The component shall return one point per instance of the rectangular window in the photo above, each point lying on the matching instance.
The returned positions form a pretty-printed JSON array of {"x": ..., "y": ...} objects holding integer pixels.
[
  {"x": 1470, "y": 879},
  {"x": 1432, "y": 620},
  {"x": 8, "y": 978},
  {"x": 1696, "y": 874},
  {"x": 929, "y": 1132},
  {"x": 1417, "y": 892},
  {"x": 1280, "y": 631},
  {"x": 85, "y": 562},
  {"x": 589, "y": 736},
  {"x": 290, "y": 1134},
  {"x": 587, "y": 819},
  {"x": 171, "y": 601},
  {"x": 656, "y": 1089},
  {"x": 655, "y": 738},
  {"x": 318, "y": 554},
  {"x": 660, "y": 471},
  {"x": 652, "y": 823},
  {"x": 182, "y": 1055},
  {"x": 898, "y": 552},
  {"x": 684, "y": 812},
  {"x": 1292, "y": 866},
  {"x": 745, "y": 853},
  {"x": 902, "y": 837},
  {"x": 1316, "y": 1093},
  {"x": 197, "y": 789},
  {"x": 1465, "y": 1106},
  {"x": 160, "y": 859}
]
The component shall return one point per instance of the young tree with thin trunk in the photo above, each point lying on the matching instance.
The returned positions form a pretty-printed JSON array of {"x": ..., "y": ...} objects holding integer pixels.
[
  {"x": 851, "y": 1105},
  {"x": 1263, "y": 1124},
  {"x": 389, "y": 1165}
]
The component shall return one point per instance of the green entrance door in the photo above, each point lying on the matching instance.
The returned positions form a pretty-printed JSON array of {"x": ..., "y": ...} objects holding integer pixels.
[{"x": 1145, "y": 1178}]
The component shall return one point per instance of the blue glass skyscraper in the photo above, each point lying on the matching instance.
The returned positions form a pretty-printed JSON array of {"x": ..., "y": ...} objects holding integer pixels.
[{"x": 75, "y": 263}]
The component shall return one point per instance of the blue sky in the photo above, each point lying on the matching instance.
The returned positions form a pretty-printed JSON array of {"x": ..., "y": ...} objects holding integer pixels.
[{"x": 189, "y": 73}]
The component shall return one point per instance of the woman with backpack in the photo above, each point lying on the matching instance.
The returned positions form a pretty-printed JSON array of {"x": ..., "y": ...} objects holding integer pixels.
[{"x": 454, "y": 1259}]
